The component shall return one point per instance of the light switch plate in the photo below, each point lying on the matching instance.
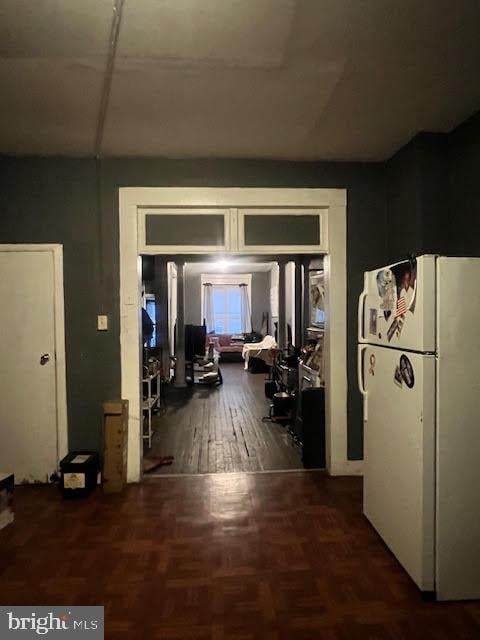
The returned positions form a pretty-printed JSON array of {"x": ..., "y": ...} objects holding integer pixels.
[{"x": 102, "y": 323}]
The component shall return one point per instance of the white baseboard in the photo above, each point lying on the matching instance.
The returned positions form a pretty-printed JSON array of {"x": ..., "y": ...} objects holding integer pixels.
[{"x": 348, "y": 468}]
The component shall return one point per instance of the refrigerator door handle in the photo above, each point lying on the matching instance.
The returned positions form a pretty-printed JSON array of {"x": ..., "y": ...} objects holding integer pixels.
[
  {"x": 361, "y": 308},
  {"x": 361, "y": 383}
]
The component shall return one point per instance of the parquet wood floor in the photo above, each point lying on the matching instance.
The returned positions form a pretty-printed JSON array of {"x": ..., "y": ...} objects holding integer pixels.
[
  {"x": 279, "y": 556},
  {"x": 220, "y": 429}
]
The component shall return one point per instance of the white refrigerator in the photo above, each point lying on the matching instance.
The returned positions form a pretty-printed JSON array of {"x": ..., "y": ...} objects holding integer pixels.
[{"x": 419, "y": 374}]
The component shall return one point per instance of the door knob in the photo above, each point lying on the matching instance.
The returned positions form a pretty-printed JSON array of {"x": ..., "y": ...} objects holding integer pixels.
[{"x": 44, "y": 358}]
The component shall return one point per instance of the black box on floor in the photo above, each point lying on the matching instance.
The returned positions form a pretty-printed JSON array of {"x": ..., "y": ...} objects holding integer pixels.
[
  {"x": 79, "y": 471},
  {"x": 257, "y": 365}
]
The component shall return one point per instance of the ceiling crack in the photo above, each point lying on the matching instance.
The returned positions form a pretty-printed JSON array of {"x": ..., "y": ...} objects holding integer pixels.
[{"x": 107, "y": 81}]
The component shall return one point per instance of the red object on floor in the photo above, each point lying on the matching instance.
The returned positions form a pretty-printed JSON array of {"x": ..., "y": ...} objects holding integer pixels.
[{"x": 151, "y": 463}]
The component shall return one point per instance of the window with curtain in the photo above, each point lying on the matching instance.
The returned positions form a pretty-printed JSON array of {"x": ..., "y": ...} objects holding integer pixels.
[
  {"x": 226, "y": 303},
  {"x": 227, "y": 309}
]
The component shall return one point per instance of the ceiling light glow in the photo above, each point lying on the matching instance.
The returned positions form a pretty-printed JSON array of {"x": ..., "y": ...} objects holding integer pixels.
[{"x": 222, "y": 264}]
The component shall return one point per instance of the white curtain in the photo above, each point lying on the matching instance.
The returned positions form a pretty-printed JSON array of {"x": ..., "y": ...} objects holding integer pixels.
[
  {"x": 208, "y": 307},
  {"x": 245, "y": 314}
]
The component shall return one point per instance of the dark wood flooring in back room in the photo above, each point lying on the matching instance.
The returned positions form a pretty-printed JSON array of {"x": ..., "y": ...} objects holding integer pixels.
[
  {"x": 219, "y": 429},
  {"x": 278, "y": 556}
]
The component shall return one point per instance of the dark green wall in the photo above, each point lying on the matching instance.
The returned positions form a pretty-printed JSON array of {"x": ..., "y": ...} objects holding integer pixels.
[
  {"x": 417, "y": 197},
  {"x": 425, "y": 199},
  {"x": 464, "y": 188},
  {"x": 53, "y": 201},
  {"x": 57, "y": 200},
  {"x": 404, "y": 207},
  {"x": 433, "y": 194}
]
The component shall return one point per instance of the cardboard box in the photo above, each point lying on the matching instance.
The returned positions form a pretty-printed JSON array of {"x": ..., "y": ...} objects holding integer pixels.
[
  {"x": 115, "y": 448},
  {"x": 6, "y": 499}
]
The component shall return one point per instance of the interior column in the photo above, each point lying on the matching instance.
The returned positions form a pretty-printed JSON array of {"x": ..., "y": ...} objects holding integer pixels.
[
  {"x": 161, "y": 311},
  {"x": 282, "y": 324},
  {"x": 180, "y": 352},
  {"x": 298, "y": 338},
  {"x": 306, "y": 296}
]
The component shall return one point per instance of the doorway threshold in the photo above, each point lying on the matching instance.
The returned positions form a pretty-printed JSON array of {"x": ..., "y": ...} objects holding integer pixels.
[{"x": 156, "y": 476}]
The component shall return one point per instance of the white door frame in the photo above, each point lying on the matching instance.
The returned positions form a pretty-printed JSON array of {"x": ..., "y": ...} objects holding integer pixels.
[
  {"x": 333, "y": 202},
  {"x": 59, "y": 316}
]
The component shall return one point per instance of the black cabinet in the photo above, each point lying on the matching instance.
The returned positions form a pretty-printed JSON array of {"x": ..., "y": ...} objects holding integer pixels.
[{"x": 310, "y": 425}]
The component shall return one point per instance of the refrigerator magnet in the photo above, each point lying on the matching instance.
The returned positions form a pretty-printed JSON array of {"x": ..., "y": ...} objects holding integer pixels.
[
  {"x": 386, "y": 286},
  {"x": 373, "y": 362},
  {"x": 405, "y": 275},
  {"x": 397, "y": 377},
  {"x": 406, "y": 371},
  {"x": 391, "y": 330},
  {"x": 400, "y": 323},
  {"x": 385, "y": 282},
  {"x": 373, "y": 321}
]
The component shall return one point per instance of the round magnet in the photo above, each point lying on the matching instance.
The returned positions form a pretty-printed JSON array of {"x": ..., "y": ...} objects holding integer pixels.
[{"x": 406, "y": 371}]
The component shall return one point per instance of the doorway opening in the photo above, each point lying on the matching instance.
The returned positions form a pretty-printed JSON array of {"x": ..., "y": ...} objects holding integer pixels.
[
  {"x": 234, "y": 378},
  {"x": 240, "y": 221}
]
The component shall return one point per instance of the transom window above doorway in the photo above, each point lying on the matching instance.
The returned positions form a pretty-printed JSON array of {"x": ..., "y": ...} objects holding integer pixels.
[{"x": 224, "y": 230}]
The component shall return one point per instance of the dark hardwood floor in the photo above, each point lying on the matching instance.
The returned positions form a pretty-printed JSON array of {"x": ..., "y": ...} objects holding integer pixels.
[
  {"x": 281, "y": 556},
  {"x": 220, "y": 429}
]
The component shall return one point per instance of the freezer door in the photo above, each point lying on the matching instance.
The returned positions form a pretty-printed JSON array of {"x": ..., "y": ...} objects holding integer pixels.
[
  {"x": 397, "y": 305},
  {"x": 458, "y": 430},
  {"x": 399, "y": 455}
]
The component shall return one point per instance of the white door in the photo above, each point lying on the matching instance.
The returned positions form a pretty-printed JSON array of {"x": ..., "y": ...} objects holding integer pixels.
[
  {"x": 28, "y": 407},
  {"x": 399, "y": 432},
  {"x": 397, "y": 306}
]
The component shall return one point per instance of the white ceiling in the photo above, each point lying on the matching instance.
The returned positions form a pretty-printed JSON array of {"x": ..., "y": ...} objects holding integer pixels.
[{"x": 286, "y": 79}]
